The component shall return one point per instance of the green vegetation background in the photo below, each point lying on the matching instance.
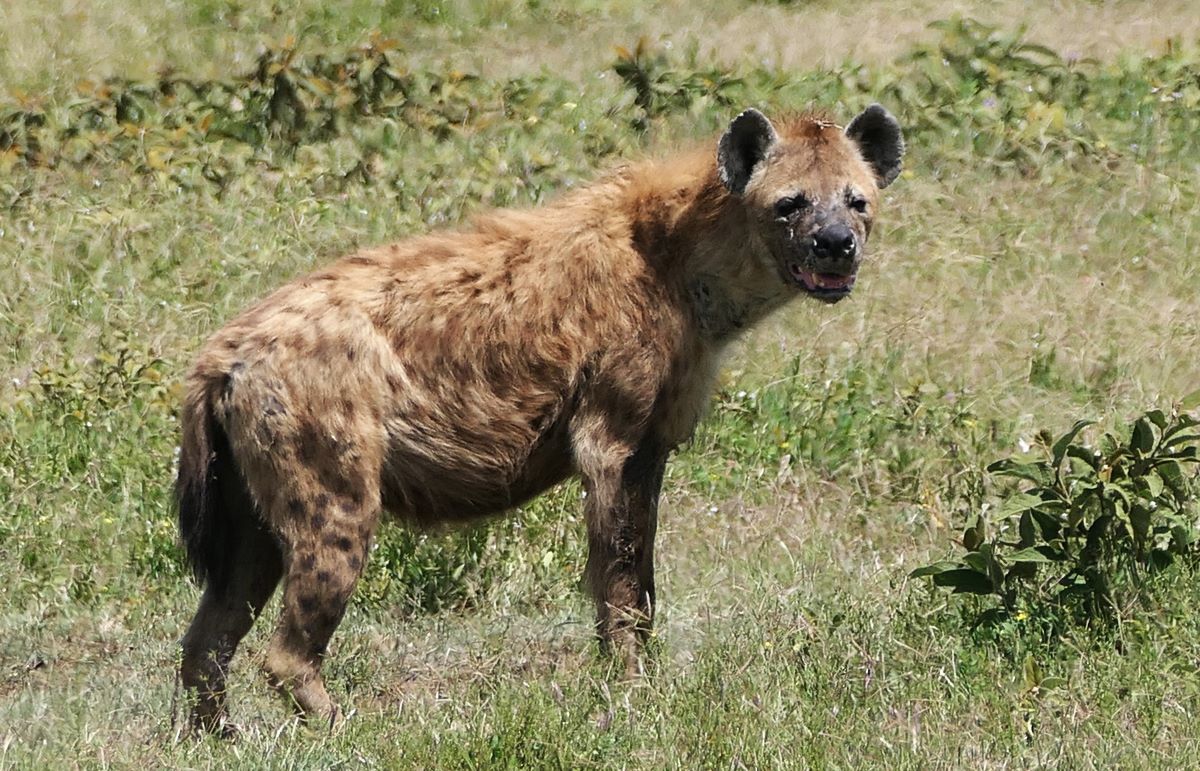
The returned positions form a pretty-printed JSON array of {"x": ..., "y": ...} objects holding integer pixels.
[{"x": 1035, "y": 264}]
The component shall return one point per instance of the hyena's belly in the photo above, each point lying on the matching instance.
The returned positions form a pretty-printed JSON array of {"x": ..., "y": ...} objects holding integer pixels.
[{"x": 462, "y": 472}]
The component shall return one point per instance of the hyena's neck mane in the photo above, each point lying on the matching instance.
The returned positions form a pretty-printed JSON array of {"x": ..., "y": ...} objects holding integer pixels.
[{"x": 692, "y": 230}]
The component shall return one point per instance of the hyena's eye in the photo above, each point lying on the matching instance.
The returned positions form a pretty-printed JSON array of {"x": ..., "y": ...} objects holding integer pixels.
[
  {"x": 786, "y": 207},
  {"x": 856, "y": 202}
]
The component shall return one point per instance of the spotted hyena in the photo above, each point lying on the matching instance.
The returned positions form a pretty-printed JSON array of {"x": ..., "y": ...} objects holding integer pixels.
[{"x": 455, "y": 375}]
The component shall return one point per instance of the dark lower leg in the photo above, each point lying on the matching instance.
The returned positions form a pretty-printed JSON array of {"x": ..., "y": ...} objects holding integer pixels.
[
  {"x": 621, "y": 579},
  {"x": 220, "y": 624}
]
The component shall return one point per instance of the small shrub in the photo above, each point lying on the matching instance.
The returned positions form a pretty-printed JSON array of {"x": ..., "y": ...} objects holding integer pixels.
[{"x": 1088, "y": 527}]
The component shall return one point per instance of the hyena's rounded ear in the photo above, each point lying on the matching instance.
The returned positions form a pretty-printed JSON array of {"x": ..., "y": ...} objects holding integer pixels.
[
  {"x": 743, "y": 146},
  {"x": 878, "y": 137}
]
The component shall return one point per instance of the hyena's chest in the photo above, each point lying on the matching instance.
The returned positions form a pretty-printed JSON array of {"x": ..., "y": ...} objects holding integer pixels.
[{"x": 684, "y": 398}]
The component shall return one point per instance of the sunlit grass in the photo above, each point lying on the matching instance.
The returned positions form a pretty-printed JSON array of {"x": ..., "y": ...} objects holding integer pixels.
[{"x": 1026, "y": 272}]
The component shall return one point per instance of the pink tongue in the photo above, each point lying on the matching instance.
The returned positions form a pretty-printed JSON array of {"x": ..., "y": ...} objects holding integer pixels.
[{"x": 827, "y": 280}]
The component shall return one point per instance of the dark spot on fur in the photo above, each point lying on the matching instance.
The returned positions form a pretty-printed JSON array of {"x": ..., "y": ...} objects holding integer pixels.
[
  {"x": 308, "y": 603},
  {"x": 295, "y": 507},
  {"x": 323, "y": 501},
  {"x": 323, "y": 576},
  {"x": 520, "y": 254},
  {"x": 342, "y": 543},
  {"x": 328, "y": 621},
  {"x": 300, "y": 344},
  {"x": 318, "y": 521},
  {"x": 355, "y": 563},
  {"x": 306, "y": 452},
  {"x": 342, "y": 487},
  {"x": 308, "y": 562},
  {"x": 321, "y": 348},
  {"x": 350, "y": 354}
]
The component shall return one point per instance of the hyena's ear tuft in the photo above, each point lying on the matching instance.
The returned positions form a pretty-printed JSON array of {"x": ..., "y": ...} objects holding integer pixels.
[
  {"x": 743, "y": 146},
  {"x": 878, "y": 137}
]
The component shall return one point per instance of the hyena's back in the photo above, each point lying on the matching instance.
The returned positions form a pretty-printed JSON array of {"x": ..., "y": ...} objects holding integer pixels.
[{"x": 436, "y": 377}]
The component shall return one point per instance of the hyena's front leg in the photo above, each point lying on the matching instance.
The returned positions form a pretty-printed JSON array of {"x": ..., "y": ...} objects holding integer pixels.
[{"x": 622, "y": 516}]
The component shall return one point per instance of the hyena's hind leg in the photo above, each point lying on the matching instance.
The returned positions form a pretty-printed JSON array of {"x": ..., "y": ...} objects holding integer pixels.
[
  {"x": 329, "y": 536},
  {"x": 226, "y": 614}
]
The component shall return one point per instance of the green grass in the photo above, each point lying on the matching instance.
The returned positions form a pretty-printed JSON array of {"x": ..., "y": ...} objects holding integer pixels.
[{"x": 1035, "y": 265}]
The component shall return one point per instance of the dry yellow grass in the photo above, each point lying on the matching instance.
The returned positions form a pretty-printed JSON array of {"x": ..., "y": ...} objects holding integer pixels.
[{"x": 51, "y": 39}]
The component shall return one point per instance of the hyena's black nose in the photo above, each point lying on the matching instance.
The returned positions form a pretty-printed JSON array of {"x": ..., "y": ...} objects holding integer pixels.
[{"x": 835, "y": 242}]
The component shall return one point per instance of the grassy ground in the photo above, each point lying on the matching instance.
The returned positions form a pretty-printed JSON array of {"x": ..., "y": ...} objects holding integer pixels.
[{"x": 1035, "y": 265}]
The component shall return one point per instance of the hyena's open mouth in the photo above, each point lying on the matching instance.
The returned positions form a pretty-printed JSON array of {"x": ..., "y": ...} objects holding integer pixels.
[{"x": 829, "y": 287}]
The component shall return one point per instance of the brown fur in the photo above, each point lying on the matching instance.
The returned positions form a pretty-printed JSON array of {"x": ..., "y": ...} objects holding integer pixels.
[{"x": 455, "y": 375}]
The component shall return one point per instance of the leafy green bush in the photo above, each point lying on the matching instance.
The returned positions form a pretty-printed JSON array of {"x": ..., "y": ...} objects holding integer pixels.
[
  {"x": 976, "y": 92},
  {"x": 336, "y": 115},
  {"x": 660, "y": 88},
  {"x": 1089, "y": 526}
]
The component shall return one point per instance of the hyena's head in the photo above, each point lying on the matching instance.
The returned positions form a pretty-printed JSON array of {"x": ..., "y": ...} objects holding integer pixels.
[{"x": 810, "y": 189}]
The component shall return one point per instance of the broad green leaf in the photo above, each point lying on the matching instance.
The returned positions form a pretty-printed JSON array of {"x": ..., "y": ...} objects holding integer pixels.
[
  {"x": 1032, "y": 554},
  {"x": 1097, "y": 529},
  {"x": 974, "y": 533},
  {"x": 1026, "y": 529},
  {"x": 1064, "y": 441},
  {"x": 1019, "y": 503},
  {"x": 1139, "y": 524},
  {"x": 934, "y": 569},
  {"x": 1020, "y": 571},
  {"x": 1171, "y": 473},
  {"x": 1142, "y": 440},
  {"x": 1049, "y": 525},
  {"x": 1087, "y": 455},
  {"x": 977, "y": 562},
  {"x": 1154, "y": 483},
  {"x": 964, "y": 580},
  {"x": 1181, "y": 437}
]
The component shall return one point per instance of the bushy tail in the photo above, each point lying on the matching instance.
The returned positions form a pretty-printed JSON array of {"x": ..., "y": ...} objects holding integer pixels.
[{"x": 206, "y": 493}]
